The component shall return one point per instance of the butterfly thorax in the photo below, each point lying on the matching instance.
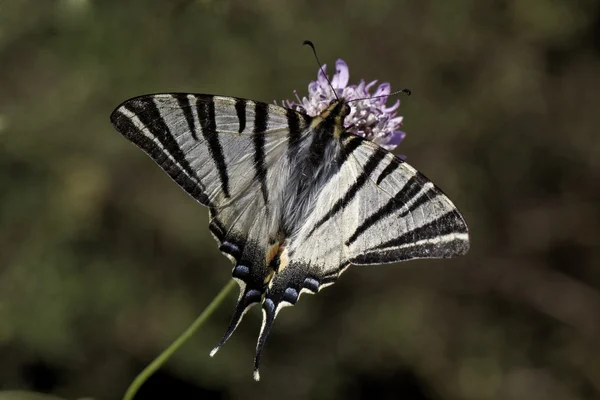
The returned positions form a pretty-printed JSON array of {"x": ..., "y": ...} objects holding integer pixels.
[{"x": 332, "y": 118}]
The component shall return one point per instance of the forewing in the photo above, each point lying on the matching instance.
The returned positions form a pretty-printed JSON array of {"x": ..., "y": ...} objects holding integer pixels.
[
  {"x": 204, "y": 141},
  {"x": 401, "y": 215}
]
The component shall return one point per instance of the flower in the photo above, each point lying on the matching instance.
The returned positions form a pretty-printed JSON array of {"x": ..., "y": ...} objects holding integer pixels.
[{"x": 368, "y": 117}]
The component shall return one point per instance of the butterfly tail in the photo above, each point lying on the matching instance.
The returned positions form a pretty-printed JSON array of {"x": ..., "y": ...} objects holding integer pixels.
[
  {"x": 269, "y": 313},
  {"x": 248, "y": 297}
]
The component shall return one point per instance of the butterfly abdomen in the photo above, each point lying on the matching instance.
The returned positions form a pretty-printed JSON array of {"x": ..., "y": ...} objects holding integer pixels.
[{"x": 312, "y": 169}]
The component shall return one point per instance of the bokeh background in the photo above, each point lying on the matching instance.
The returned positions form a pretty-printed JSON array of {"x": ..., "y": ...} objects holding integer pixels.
[{"x": 104, "y": 260}]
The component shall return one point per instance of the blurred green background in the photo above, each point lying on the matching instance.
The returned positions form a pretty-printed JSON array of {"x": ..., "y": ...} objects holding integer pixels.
[{"x": 104, "y": 260}]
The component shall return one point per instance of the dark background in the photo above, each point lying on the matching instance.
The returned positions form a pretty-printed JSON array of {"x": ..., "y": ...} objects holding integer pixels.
[{"x": 104, "y": 260}]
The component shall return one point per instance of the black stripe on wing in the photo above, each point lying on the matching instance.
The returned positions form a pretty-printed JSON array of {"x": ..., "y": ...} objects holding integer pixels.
[
  {"x": 370, "y": 166},
  {"x": 296, "y": 126},
  {"x": 389, "y": 169},
  {"x": 439, "y": 238},
  {"x": 350, "y": 143},
  {"x": 412, "y": 187},
  {"x": 184, "y": 103},
  {"x": 240, "y": 110},
  {"x": 216, "y": 226},
  {"x": 444, "y": 225},
  {"x": 166, "y": 152},
  {"x": 208, "y": 123},
  {"x": 260, "y": 126}
]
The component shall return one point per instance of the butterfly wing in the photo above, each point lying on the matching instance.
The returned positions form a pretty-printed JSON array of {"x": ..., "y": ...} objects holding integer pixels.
[
  {"x": 386, "y": 211},
  {"x": 377, "y": 209},
  {"x": 399, "y": 213},
  {"x": 230, "y": 155}
]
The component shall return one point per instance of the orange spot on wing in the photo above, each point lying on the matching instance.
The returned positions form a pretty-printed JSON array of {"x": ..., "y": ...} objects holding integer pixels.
[
  {"x": 284, "y": 261},
  {"x": 272, "y": 252}
]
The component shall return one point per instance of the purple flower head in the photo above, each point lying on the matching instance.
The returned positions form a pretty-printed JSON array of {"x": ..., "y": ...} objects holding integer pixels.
[{"x": 369, "y": 117}]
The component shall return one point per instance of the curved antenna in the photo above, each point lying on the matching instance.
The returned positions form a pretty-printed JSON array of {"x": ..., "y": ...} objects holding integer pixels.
[
  {"x": 402, "y": 91},
  {"x": 312, "y": 46}
]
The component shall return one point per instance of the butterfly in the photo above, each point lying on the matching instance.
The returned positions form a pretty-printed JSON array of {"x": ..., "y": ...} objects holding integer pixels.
[{"x": 293, "y": 200}]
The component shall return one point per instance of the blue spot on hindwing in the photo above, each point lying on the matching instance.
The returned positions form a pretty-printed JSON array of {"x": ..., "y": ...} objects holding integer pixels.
[
  {"x": 253, "y": 296},
  {"x": 311, "y": 284},
  {"x": 269, "y": 306},
  {"x": 241, "y": 272},
  {"x": 230, "y": 248},
  {"x": 290, "y": 295}
]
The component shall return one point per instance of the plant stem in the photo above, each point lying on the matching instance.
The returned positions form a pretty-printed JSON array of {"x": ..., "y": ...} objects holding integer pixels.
[{"x": 168, "y": 352}]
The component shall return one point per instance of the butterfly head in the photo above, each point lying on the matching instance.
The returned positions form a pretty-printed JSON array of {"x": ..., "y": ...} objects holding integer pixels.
[{"x": 338, "y": 108}]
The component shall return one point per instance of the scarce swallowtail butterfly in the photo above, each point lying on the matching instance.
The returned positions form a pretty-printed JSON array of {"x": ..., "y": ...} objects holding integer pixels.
[{"x": 293, "y": 200}]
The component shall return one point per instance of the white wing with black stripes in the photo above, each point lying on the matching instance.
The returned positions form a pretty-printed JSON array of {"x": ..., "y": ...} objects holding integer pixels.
[
  {"x": 402, "y": 215},
  {"x": 230, "y": 155},
  {"x": 376, "y": 209},
  {"x": 293, "y": 199},
  {"x": 386, "y": 212}
]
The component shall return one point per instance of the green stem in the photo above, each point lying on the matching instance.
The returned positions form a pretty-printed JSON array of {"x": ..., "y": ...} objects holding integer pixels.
[{"x": 168, "y": 352}]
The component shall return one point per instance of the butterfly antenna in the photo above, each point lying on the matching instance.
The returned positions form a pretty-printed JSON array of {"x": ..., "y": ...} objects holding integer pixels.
[
  {"x": 269, "y": 310},
  {"x": 248, "y": 297},
  {"x": 312, "y": 46},
  {"x": 402, "y": 91}
]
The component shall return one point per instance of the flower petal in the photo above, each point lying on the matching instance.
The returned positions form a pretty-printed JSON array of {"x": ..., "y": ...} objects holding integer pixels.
[
  {"x": 369, "y": 116},
  {"x": 321, "y": 78},
  {"x": 342, "y": 75},
  {"x": 383, "y": 90},
  {"x": 392, "y": 108},
  {"x": 397, "y": 120},
  {"x": 395, "y": 138},
  {"x": 369, "y": 86}
]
